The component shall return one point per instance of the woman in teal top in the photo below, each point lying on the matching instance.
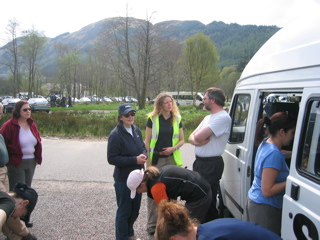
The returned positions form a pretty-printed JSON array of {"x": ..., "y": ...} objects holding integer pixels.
[{"x": 271, "y": 171}]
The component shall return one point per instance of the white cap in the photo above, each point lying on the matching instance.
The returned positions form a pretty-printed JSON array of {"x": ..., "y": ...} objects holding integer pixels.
[{"x": 134, "y": 180}]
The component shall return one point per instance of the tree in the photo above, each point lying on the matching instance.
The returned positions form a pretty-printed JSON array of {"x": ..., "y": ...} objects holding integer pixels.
[
  {"x": 11, "y": 57},
  {"x": 228, "y": 79},
  {"x": 68, "y": 64},
  {"x": 199, "y": 62},
  {"x": 136, "y": 55},
  {"x": 32, "y": 45}
]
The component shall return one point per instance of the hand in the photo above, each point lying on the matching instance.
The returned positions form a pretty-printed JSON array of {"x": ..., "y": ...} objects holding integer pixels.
[
  {"x": 204, "y": 141},
  {"x": 167, "y": 151},
  {"x": 141, "y": 159}
]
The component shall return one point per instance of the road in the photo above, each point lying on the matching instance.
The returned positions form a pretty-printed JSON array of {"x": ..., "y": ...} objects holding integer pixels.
[
  {"x": 83, "y": 160},
  {"x": 76, "y": 194}
]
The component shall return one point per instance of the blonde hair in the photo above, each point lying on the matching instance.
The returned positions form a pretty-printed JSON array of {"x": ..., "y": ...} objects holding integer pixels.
[
  {"x": 157, "y": 107},
  {"x": 173, "y": 219}
]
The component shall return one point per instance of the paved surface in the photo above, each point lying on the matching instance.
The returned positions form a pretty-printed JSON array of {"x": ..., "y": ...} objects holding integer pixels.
[{"x": 76, "y": 194}]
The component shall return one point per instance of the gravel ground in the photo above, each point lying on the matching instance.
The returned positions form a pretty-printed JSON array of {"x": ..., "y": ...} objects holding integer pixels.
[
  {"x": 69, "y": 210},
  {"x": 76, "y": 194}
]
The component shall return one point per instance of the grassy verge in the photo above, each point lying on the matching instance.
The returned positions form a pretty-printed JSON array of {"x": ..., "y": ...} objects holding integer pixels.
[{"x": 97, "y": 120}]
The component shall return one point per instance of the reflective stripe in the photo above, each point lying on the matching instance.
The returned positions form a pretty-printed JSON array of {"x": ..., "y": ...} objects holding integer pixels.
[{"x": 175, "y": 138}]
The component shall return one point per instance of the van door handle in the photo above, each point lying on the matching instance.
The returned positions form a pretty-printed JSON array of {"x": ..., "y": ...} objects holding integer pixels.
[
  {"x": 238, "y": 152},
  {"x": 294, "y": 191}
]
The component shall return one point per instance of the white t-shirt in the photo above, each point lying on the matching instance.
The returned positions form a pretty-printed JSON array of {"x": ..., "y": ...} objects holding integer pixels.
[
  {"x": 27, "y": 143},
  {"x": 220, "y": 124}
]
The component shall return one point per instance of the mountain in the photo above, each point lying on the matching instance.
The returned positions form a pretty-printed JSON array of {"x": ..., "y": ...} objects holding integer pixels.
[{"x": 234, "y": 42}]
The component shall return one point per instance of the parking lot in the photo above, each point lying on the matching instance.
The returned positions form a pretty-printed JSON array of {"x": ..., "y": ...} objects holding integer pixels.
[{"x": 76, "y": 194}]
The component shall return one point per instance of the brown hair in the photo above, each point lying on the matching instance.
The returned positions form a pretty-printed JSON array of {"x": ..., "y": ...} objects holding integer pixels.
[
  {"x": 17, "y": 107},
  {"x": 217, "y": 95},
  {"x": 279, "y": 120},
  {"x": 150, "y": 173},
  {"x": 173, "y": 219}
]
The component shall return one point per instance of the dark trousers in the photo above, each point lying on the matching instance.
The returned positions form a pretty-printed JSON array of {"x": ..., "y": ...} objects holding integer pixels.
[
  {"x": 211, "y": 169},
  {"x": 23, "y": 173},
  {"x": 127, "y": 212}
]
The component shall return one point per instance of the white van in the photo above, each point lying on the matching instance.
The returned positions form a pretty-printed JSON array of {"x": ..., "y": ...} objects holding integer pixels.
[
  {"x": 288, "y": 64},
  {"x": 186, "y": 98}
]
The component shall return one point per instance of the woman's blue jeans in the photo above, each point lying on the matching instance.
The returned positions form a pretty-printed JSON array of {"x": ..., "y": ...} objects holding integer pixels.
[{"x": 127, "y": 212}]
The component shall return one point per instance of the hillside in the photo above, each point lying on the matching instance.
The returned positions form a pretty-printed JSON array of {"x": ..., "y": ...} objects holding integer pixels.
[{"x": 234, "y": 42}]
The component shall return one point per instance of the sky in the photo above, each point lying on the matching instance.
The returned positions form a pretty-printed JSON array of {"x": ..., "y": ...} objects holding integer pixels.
[{"x": 56, "y": 17}]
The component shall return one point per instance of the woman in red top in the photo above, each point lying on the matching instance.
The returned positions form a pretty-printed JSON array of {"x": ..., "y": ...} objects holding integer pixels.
[{"x": 23, "y": 142}]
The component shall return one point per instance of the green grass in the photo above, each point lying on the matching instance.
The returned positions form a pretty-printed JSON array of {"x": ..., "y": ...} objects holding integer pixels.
[{"x": 97, "y": 120}]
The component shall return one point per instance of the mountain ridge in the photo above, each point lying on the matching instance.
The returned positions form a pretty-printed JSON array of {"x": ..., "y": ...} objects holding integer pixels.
[{"x": 231, "y": 40}]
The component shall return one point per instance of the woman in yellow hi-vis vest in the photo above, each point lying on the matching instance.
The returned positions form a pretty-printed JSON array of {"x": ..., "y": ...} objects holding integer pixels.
[{"x": 164, "y": 137}]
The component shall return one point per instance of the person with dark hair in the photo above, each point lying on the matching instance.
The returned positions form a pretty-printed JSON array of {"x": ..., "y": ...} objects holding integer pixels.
[
  {"x": 171, "y": 182},
  {"x": 164, "y": 138},
  {"x": 24, "y": 145},
  {"x": 210, "y": 139},
  {"x": 15, "y": 205},
  {"x": 270, "y": 171},
  {"x": 175, "y": 224},
  {"x": 127, "y": 152}
]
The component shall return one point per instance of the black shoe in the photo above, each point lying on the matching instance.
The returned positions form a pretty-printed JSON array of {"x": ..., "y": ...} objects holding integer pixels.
[
  {"x": 29, "y": 224},
  {"x": 151, "y": 230},
  {"x": 29, "y": 237}
]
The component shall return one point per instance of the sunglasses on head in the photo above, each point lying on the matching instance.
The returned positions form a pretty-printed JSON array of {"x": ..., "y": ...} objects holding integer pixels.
[
  {"x": 26, "y": 109},
  {"x": 129, "y": 114}
]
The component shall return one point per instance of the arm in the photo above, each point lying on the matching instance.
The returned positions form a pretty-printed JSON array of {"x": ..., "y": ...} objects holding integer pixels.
[
  {"x": 268, "y": 185},
  {"x": 159, "y": 193},
  {"x": 147, "y": 144},
  {"x": 115, "y": 150},
  {"x": 195, "y": 136},
  {"x": 3, "y": 217}
]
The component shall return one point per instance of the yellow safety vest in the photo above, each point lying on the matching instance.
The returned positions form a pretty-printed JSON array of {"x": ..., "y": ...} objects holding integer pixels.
[{"x": 175, "y": 138}]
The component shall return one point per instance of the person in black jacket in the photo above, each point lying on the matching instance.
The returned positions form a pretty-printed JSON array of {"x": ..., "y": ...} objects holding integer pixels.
[
  {"x": 171, "y": 182},
  {"x": 127, "y": 152}
]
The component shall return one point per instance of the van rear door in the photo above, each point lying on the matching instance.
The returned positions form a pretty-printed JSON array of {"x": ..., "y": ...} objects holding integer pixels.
[
  {"x": 237, "y": 156},
  {"x": 301, "y": 204}
]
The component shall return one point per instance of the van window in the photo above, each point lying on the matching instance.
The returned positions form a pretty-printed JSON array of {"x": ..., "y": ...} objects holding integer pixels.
[
  {"x": 239, "y": 114},
  {"x": 309, "y": 161}
]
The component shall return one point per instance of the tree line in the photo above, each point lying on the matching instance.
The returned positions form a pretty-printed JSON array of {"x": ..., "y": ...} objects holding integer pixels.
[{"x": 123, "y": 61}]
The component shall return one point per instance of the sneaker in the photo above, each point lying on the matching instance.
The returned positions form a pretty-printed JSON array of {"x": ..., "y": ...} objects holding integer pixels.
[
  {"x": 151, "y": 230},
  {"x": 134, "y": 238}
]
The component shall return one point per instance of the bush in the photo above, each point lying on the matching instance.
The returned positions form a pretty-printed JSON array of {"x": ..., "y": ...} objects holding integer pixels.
[{"x": 81, "y": 121}]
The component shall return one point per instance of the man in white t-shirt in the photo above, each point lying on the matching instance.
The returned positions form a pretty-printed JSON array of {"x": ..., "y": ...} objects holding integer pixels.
[{"x": 210, "y": 139}]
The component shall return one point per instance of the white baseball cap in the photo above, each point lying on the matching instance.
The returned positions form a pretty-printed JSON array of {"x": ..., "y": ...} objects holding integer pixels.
[{"x": 134, "y": 180}]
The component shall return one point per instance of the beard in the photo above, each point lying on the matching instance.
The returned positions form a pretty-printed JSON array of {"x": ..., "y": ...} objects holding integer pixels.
[{"x": 207, "y": 107}]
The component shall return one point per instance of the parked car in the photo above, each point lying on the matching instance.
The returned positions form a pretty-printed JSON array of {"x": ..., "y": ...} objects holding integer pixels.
[
  {"x": 106, "y": 99},
  {"x": 118, "y": 99},
  {"x": 75, "y": 100},
  {"x": 39, "y": 104},
  {"x": 130, "y": 99},
  {"x": 85, "y": 99},
  {"x": 8, "y": 104}
]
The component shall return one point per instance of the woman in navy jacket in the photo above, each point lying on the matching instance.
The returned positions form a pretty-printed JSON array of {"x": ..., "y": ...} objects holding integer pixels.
[{"x": 127, "y": 152}]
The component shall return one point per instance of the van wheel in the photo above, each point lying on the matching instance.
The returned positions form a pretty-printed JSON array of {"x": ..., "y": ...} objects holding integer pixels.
[{"x": 201, "y": 105}]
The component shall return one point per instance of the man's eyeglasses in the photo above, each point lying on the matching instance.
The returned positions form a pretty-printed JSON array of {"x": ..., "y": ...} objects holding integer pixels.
[
  {"x": 26, "y": 109},
  {"x": 129, "y": 114}
]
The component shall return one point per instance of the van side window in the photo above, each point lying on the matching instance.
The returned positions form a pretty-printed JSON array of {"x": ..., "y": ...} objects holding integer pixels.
[
  {"x": 309, "y": 159},
  {"x": 239, "y": 114}
]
